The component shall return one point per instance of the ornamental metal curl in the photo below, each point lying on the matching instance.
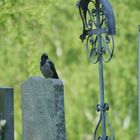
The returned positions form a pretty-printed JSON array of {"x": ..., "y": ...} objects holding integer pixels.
[
  {"x": 99, "y": 27},
  {"x": 98, "y": 19}
]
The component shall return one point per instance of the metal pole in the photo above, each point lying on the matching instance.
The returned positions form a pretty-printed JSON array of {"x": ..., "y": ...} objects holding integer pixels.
[
  {"x": 101, "y": 75},
  {"x": 102, "y": 97},
  {"x": 139, "y": 81}
]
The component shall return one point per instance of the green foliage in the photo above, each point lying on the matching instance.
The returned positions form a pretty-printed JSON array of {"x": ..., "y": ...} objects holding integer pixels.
[{"x": 29, "y": 28}]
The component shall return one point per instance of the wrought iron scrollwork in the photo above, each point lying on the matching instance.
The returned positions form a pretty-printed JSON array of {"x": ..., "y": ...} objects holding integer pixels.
[
  {"x": 105, "y": 108},
  {"x": 90, "y": 12},
  {"x": 99, "y": 27}
]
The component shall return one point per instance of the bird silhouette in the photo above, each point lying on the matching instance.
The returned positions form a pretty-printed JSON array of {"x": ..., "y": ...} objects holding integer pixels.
[
  {"x": 83, "y": 8},
  {"x": 47, "y": 67}
]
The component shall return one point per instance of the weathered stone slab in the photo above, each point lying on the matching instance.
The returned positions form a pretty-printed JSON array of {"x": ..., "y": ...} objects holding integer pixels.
[
  {"x": 43, "y": 109},
  {"x": 7, "y": 112}
]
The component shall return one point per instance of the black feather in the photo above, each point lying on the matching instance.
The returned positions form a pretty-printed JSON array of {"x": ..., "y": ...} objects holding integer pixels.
[{"x": 55, "y": 75}]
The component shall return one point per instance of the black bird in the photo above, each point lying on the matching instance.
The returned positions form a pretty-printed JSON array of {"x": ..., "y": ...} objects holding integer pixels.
[
  {"x": 83, "y": 8},
  {"x": 47, "y": 67}
]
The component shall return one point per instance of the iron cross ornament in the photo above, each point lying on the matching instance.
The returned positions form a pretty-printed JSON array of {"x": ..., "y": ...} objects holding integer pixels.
[{"x": 99, "y": 28}]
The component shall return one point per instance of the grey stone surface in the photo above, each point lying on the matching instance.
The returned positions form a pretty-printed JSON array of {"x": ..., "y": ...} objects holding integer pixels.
[
  {"x": 43, "y": 109},
  {"x": 7, "y": 110}
]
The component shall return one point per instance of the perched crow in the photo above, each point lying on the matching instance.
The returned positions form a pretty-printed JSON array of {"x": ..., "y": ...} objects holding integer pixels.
[
  {"x": 83, "y": 9},
  {"x": 47, "y": 67}
]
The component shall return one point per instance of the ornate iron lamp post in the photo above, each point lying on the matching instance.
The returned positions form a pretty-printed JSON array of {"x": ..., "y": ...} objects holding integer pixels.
[{"x": 98, "y": 29}]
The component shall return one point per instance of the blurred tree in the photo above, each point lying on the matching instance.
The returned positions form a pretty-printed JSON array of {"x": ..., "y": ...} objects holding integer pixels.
[{"x": 29, "y": 28}]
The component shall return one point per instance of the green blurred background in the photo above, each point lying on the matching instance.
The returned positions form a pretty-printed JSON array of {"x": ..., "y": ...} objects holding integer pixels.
[{"x": 29, "y": 28}]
